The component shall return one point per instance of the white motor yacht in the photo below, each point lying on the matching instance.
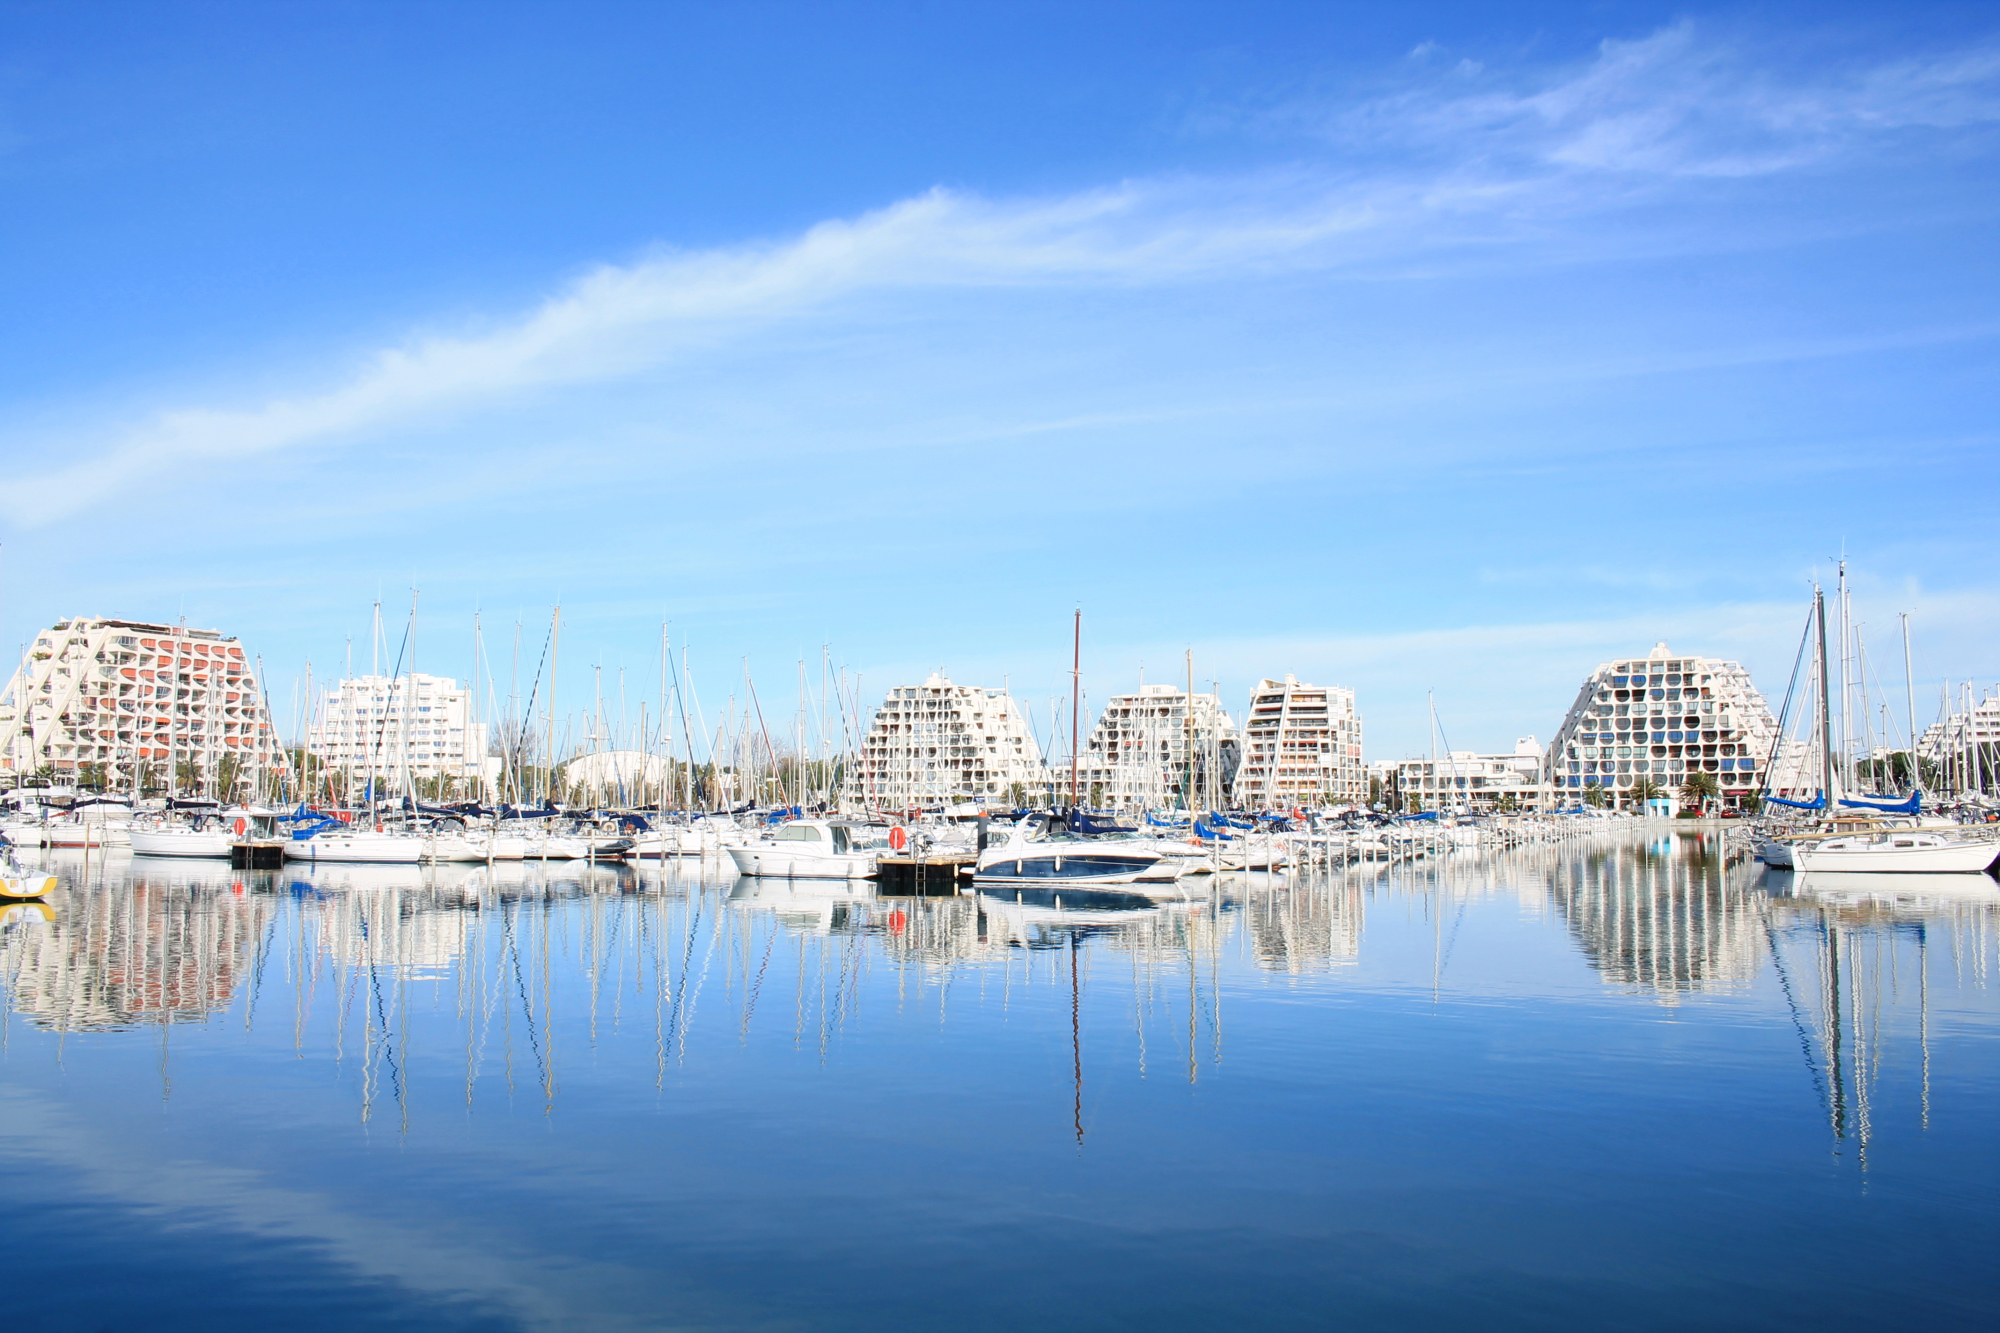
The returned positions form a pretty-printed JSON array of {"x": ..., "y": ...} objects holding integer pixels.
[
  {"x": 812, "y": 849},
  {"x": 1032, "y": 859}
]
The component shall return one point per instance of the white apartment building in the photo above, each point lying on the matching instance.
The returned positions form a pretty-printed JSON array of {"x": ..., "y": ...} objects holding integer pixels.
[
  {"x": 382, "y": 726},
  {"x": 125, "y": 703},
  {"x": 1963, "y": 750},
  {"x": 1661, "y": 717},
  {"x": 1301, "y": 744},
  {"x": 1137, "y": 756},
  {"x": 938, "y": 743},
  {"x": 1467, "y": 780}
]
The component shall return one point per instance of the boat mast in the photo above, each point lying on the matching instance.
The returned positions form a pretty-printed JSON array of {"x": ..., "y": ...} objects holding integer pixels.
[
  {"x": 1825, "y": 702},
  {"x": 1910, "y": 701},
  {"x": 1846, "y": 685},
  {"x": 1075, "y": 702},
  {"x": 1187, "y": 745}
]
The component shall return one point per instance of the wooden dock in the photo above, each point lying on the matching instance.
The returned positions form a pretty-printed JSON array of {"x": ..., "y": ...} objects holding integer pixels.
[
  {"x": 923, "y": 876},
  {"x": 257, "y": 854}
]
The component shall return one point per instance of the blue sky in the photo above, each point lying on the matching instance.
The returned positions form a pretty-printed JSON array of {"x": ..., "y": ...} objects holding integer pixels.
[{"x": 1402, "y": 347}]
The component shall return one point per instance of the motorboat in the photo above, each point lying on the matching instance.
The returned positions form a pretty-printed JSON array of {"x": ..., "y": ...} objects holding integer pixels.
[
  {"x": 1033, "y": 857},
  {"x": 812, "y": 849}
]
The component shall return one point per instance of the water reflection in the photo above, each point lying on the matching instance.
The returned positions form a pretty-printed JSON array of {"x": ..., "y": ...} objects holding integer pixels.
[
  {"x": 1663, "y": 917},
  {"x": 530, "y": 968},
  {"x": 117, "y": 952},
  {"x": 1854, "y": 958}
]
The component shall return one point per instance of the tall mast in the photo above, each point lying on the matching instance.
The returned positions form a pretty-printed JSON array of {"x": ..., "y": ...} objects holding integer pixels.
[
  {"x": 1910, "y": 702},
  {"x": 1075, "y": 702},
  {"x": 1846, "y": 686},
  {"x": 1825, "y": 702},
  {"x": 1187, "y": 755},
  {"x": 549, "y": 741}
]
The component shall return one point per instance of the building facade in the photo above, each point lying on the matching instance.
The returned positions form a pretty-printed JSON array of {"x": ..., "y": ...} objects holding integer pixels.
[
  {"x": 940, "y": 743},
  {"x": 1301, "y": 744},
  {"x": 1962, "y": 752},
  {"x": 382, "y": 727},
  {"x": 1660, "y": 718},
  {"x": 1466, "y": 780},
  {"x": 133, "y": 706},
  {"x": 1137, "y": 755}
]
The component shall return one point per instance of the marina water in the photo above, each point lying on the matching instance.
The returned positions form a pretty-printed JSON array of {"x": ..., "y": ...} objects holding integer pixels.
[{"x": 1629, "y": 1083}]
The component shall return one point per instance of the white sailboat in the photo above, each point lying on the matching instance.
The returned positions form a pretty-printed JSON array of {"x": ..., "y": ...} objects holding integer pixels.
[{"x": 1897, "y": 850}]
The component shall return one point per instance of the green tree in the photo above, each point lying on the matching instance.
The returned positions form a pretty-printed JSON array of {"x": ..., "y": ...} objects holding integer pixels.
[
  {"x": 1699, "y": 789},
  {"x": 1593, "y": 796},
  {"x": 228, "y": 776},
  {"x": 1507, "y": 805},
  {"x": 1644, "y": 790}
]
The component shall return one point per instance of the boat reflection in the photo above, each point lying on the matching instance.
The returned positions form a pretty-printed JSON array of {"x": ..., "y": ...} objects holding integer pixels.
[
  {"x": 531, "y": 966},
  {"x": 1853, "y": 955}
]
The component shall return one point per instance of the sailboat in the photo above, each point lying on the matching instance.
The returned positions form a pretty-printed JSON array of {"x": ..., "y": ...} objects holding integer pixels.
[{"x": 1865, "y": 841}]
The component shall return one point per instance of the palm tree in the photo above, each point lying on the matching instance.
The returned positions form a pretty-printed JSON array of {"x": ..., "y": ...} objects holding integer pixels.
[
  {"x": 1643, "y": 791},
  {"x": 1699, "y": 789}
]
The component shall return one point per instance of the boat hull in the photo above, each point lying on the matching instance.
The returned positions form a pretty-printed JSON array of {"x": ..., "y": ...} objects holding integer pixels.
[
  {"x": 357, "y": 848},
  {"x": 1042, "y": 869},
  {"x": 182, "y": 842},
  {"x": 1897, "y": 856},
  {"x": 770, "y": 861}
]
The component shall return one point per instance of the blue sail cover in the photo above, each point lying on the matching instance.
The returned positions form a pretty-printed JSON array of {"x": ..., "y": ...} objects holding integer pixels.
[
  {"x": 1818, "y": 802},
  {"x": 1204, "y": 831},
  {"x": 1079, "y": 822},
  {"x": 1909, "y": 805},
  {"x": 1164, "y": 823},
  {"x": 1215, "y": 817}
]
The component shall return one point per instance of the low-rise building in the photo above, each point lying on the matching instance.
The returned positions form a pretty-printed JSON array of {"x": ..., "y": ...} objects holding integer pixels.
[
  {"x": 1301, "y": 745},
  {"x": 130, "y": 705},
  {"x": 1467, "y": 780},
  {"x": 939, "y": 743}
]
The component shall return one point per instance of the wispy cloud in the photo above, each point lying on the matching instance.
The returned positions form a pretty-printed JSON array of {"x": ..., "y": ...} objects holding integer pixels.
[
  {"x": 1669, "y": 105},
  {"x": 1675, "y": 103}
]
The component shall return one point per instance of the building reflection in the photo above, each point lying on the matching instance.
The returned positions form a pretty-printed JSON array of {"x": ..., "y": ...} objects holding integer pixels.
[
  {"x": 531, "y": 968},
  {"x": 1313, "y": 925},
  {"x": 112, "y": 953},
  {"x": 1668, "y": 916}
]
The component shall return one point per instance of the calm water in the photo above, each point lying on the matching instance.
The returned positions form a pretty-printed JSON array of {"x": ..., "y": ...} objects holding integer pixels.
[{"x": 1615, "y": 1086}]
